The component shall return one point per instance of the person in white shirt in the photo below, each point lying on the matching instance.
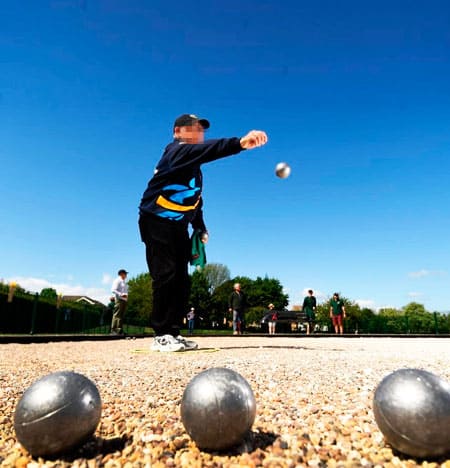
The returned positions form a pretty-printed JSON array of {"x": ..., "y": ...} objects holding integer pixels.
[{"x": 120, "y": 291}]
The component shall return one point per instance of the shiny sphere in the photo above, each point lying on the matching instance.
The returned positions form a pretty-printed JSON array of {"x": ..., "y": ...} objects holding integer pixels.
[
  {"x": 57, "y": 413},
  {"x": 218, "y": 408},
  {"x": 412, "y": 410},
  {"x": 282, "y": 170}
]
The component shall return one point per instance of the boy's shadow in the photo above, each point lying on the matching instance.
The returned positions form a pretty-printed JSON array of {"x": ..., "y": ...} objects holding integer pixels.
[
  {"x": 252, "y": 441},
  {"x": 96, "y": 447}
]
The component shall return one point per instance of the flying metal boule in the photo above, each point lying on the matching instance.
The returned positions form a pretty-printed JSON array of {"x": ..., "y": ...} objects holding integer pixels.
[{"x": 282, "y": 170}]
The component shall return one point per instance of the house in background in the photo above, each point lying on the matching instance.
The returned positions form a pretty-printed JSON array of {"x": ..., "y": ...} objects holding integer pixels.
[{"x": 83, "y": 300}]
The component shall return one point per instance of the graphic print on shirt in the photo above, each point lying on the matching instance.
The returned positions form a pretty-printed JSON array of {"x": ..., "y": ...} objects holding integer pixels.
[{"x": 173, "y": 198}]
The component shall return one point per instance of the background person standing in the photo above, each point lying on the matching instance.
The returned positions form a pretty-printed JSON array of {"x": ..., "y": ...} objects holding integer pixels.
[
  {"x": 236, "y": 304},
  {"x": 191, "y": 320},
  {"x": 309, "y": 307},
  {"x": 337, "y": 313},
  {"x": 273, "y": 319},
  {"x": 120, "y": 291}
]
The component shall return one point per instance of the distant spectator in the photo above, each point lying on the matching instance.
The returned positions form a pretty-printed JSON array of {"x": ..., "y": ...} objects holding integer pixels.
[
  {"x": 236, "y": 304},
  {"x": 337, "y": 313},
  {"x": 273, "y": 319},
  {"x": 309, "y": 307},
  {"x": 191, "y": 320},
  {"x": 120, "y": 291}
]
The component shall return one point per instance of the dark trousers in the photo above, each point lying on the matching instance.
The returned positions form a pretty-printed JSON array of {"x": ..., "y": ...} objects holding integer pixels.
[
  {"x": 120, "y": 306},
  {"x": 168, "y": 251}
]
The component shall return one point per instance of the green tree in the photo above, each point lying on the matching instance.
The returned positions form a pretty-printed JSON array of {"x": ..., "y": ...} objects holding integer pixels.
[
  {"x": 219, "y": 303},
  {"x": 354, "y": 315},
  {"x": 259, "y": 293},
  {"x": 366, "y": 320},
  {"x": 216, "y": 274},
  {"x": 200, "y": 296},
  {"x": 392, "y": 321},
  {"x": 4, "y": 287},
  {"x": 443, "y": 322},
  {"x": 419, "y": 320},
  {"x": 323, "y": 315},
  {"x": 140, "y": 299},
  {"x": 49, "y": 293}
]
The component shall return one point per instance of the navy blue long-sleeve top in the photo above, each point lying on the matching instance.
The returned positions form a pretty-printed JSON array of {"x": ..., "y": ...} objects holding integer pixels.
[{"x": 174, "y": 192}]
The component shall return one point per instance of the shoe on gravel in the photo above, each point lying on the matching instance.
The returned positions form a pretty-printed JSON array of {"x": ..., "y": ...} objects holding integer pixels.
[{"x": 167, "y": 343}]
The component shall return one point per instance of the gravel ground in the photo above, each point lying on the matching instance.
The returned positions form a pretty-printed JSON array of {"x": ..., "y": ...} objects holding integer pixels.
[{"x": 314, "y": 399}]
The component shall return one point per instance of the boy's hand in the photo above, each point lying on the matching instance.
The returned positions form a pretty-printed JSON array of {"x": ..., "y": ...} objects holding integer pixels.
[
  {"x": 204, "y": 237},
  {"x": 253, "y": 139}
]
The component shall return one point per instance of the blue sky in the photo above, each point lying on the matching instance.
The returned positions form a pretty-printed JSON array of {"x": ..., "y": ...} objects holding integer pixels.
[{"x": 354, "y": 95}]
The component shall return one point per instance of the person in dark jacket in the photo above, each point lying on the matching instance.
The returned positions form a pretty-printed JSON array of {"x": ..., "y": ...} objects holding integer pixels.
[
  {"x": 236, "y": 305},
  {"x": 172, "y": 202},
  {"x": 310, "y": 307}
]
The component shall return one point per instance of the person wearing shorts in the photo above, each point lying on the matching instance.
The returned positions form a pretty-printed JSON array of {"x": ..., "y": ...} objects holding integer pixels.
[
  {"x": 337, "y": 313},
  {"x": 273, "y": 319}
]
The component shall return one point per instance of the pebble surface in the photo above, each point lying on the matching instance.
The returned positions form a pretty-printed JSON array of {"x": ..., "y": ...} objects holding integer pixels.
[{"x": 313, "y": 395}]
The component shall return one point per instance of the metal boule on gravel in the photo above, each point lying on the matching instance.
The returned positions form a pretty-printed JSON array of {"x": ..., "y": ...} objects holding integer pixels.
[
  {"x": 57, "y": 413},
  {"x": 412, "y": 410},
  {"x": 218, "y": 408}
]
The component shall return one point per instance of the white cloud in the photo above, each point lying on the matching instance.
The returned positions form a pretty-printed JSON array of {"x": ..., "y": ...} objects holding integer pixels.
[
  {"x": 107, "y": 279},
  {"x": 415, "y": 294},
  {"x": 38, "y": 284},
  {"x": 423, "y": 273},
  {"x": 369, "y": 303}
]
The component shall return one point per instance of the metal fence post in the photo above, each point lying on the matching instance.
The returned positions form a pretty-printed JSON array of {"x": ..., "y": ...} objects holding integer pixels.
[
  {"x": 84, "y": 318},
  {"x": 34, "y": 313},
  {"x": 58, "y": 315},
  {"x": 436, "y": 326}
]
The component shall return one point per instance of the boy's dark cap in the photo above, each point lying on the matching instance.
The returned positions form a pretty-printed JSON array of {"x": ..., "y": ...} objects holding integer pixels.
[
  {"x": 186, "y": 120},
  {"x": 122, "y": 271}
]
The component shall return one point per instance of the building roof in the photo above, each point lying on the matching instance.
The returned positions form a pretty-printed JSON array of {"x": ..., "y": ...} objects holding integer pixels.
[{"x": 86, "y": 299}]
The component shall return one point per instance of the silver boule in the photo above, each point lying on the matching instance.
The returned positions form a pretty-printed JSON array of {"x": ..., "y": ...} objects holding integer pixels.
[
  {"x": 57, "y": 413},
  {"x": 218, "y": 408},
  {"x": 282, "y": 170},
  {"x": 412, "y": 410}
]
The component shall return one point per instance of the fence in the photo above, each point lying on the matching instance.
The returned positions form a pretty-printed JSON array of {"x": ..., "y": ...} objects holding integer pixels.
[{"x": 31, "y": 314}]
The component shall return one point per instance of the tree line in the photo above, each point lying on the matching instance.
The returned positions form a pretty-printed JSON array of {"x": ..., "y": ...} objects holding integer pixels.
[
  {"x": 410, "y": 319},
  {"x": 210, "y": 290},
  {"x": 212, "y": 286}
]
